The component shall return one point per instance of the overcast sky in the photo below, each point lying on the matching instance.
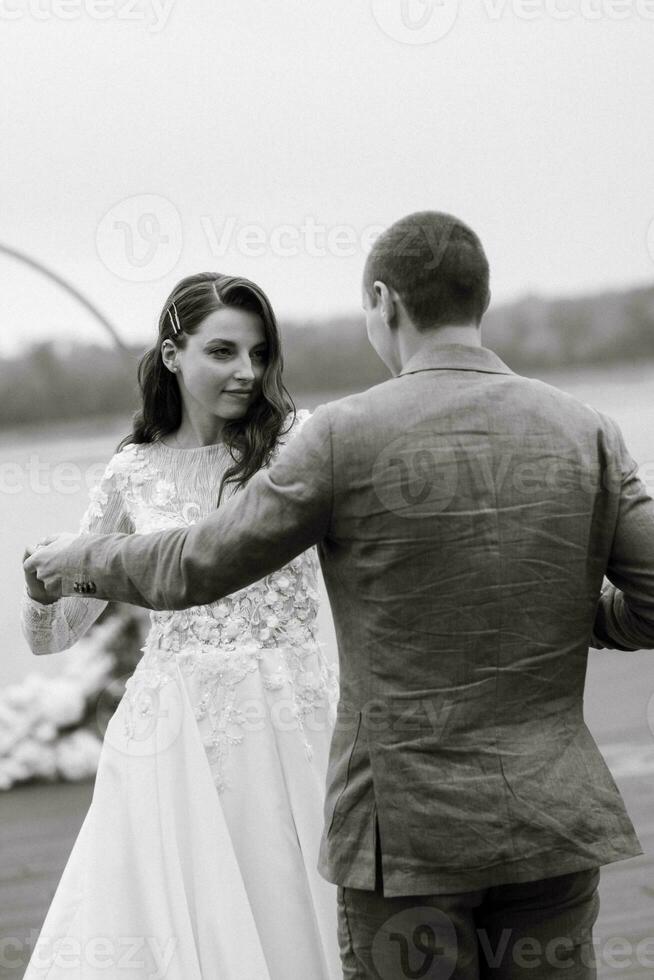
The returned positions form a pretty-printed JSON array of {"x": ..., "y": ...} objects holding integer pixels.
[{"x": 143, "y": 140}]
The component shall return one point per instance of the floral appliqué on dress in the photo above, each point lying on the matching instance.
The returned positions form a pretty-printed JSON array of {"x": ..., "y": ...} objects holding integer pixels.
[{"x": 269, "y": 626}]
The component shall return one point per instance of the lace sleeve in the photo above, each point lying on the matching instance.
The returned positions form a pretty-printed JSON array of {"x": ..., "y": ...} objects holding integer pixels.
[{"x": 56, "y": 627}]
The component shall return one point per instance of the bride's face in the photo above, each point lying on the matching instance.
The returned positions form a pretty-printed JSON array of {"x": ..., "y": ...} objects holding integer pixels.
[{"x": 221, "y": 367}]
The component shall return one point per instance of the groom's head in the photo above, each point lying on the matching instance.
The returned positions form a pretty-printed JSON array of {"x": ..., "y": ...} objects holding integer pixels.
[{"x": 426, "y": 272}]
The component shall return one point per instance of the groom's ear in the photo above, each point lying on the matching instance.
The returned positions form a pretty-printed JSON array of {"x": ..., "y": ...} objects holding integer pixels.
[
  {"x": 387, "y": 303},
  {"x": 488, "y": 300}
]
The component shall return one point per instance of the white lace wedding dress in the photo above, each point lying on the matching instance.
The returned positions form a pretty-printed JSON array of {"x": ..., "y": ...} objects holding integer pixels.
[{"x": 197, "y": 858}]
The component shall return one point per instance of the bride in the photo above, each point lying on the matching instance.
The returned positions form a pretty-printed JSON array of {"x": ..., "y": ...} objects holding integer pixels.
[{"x": 197, "y": 857}]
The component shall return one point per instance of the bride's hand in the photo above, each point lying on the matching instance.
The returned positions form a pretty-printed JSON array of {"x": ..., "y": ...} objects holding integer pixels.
[{"x": 35, "y": 587}]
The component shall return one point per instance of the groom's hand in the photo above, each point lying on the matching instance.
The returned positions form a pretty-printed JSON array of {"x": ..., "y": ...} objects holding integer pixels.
[{"x": 42, "y": 566}]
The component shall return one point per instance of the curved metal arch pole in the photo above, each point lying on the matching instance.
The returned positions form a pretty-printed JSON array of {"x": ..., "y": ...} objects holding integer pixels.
[{"x": 69, "y": 288}]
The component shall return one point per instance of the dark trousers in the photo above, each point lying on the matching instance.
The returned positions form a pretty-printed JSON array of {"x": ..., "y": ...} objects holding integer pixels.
[{"x": 540, "y": 930}]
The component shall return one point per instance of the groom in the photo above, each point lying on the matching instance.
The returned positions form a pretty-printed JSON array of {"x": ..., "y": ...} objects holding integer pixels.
[{"x": 465, "y": 518}]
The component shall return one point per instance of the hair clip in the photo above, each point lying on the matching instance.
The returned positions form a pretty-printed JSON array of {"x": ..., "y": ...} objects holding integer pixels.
[{"x": 177, "y": 328}]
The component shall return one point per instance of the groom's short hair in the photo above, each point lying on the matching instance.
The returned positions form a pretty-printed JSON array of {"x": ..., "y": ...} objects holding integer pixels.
[{"x": 436, "y": 264}]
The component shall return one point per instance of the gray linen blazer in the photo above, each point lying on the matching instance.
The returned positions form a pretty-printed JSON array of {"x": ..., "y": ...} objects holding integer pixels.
[{"x": 465, "y": 518}]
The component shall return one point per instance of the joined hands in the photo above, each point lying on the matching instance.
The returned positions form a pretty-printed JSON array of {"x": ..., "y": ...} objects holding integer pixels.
[{"x": 41, "y": 568}]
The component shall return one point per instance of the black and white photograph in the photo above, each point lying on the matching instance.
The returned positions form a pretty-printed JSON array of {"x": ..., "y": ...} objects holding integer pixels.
[{"x": 327, "y": 489}]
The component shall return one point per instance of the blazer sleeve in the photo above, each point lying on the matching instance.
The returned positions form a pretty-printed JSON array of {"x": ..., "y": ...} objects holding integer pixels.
[
  {"x": 59, "y": 625},
  {"x": 283, "y": 510},
  {"x": 625, "y": 612}
]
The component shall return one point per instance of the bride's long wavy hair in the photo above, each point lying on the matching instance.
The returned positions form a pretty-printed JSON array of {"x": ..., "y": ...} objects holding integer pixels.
[{"x": 250, "y": 440}]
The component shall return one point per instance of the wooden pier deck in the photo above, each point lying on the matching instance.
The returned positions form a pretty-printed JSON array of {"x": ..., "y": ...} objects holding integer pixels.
[{"x": 39, "y": 823}]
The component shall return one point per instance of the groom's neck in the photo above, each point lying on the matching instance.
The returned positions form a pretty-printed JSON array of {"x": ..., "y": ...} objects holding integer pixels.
[{"x": 411, "y": 342}]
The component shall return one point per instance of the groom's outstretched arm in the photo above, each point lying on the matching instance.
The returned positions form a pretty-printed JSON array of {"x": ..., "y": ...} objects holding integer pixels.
[
  {"x": 625, "y": 614},
  {"x": 282, "y": 511}
]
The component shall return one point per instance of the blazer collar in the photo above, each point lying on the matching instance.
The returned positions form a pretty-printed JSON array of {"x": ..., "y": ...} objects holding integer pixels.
[{"x": 435, "y": 356}]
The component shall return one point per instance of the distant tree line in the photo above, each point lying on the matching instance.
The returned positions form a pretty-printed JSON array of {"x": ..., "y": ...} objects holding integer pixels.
[
  {"x": 55, "y": 381},
  {"x": 611, "y": 328}
]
